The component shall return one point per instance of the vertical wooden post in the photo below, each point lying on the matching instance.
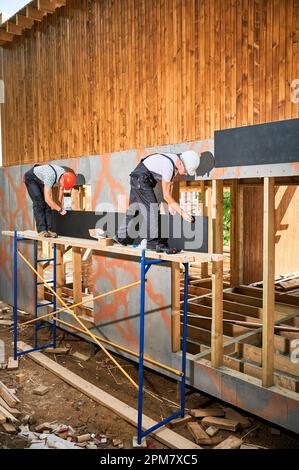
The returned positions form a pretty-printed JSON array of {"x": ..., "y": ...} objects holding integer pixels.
[
  {"x": 77, "y": 276},
  {"x": 217, "y": 275},
  {"x": 175, "y": 291},
  {"x": 268, "y": 283},
  {"x": 217, "y": 314},
  {"x": 77, "y": 198},
  {"x": 175, "y": 310},
  {"x": 210, "y": 220},
  {"x": 204, "y": 213},
  {"x": 77, "y": 204},
  {"x": 240, "y": 207},
  {"x": 234, "y": 224},
  {"x": 60, "y": 273},
  {"x": 217, "y": 216}
]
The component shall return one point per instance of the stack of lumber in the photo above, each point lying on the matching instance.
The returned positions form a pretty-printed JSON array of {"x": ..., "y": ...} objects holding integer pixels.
[
  {"x": 206, "y": 422},
  {"x": 8, "y": 413}
]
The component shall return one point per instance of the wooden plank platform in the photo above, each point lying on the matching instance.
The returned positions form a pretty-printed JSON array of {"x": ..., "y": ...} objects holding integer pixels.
[{"x": 182, "y": 257}]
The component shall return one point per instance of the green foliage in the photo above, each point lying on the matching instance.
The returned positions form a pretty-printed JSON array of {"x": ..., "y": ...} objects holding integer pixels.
[{"x": 226, "y": 218}]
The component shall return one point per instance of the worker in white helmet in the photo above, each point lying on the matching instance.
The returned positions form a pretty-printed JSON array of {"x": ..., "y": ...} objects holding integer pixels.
[{"x": 156, "y": 168}]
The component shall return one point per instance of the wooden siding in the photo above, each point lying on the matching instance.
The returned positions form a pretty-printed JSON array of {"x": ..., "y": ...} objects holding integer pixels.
[{"x": 109, "y": 75}]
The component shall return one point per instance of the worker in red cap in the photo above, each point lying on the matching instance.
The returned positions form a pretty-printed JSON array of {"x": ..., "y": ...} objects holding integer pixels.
[{"x": 39, "y": 182}]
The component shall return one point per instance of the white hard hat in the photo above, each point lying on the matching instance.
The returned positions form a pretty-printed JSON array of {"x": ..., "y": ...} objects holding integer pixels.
[{"x": 191, "y": 161}]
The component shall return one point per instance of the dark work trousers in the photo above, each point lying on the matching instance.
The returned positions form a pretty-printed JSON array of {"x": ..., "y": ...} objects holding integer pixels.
[
  {"x": 142, "y": 201},
  {"x": 42, "y": 212}
]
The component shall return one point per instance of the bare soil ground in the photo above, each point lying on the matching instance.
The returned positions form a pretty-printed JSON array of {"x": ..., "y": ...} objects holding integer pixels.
[{"x": 66, "y": 405}]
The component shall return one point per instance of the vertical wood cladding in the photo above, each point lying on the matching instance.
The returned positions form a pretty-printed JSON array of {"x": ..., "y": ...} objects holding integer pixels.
[{"x": 107, "y": 75}]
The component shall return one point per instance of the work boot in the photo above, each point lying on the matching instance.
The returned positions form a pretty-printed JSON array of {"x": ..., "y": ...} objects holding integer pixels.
[
  {"x": 164, "y": 248},
  {"x": 52, "y": 234},
  {"x": 44, "y": 234}
]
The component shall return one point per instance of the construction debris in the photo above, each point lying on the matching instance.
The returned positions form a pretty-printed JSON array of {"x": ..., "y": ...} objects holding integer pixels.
[
  {"x": 83, "y": 438},
  {"x": 178, "y": 421},
  {"x": 62, "y": 350},
  {"x": 232, "y": 442},
  {"x": 221, "y": 423},
  {"x": 51, "y": 441},
  {"x": 2, "y": 418},
  {"x": 212, "y": 431},
  {"x": 12, "y": 363},
  {"x": 13, "y": 411},
  {"x": 41, "y": 390},
  {"x": 7, "y": 414},
  {"x": 199, "y": 434},
  {"x": 20, "y": 377},
  {"x": 4, "y": 309},
  {"x": 44, "y": 427},
  {"x": 9, "y": 428},
  {"x": 80, "y": 356},
  {"x": 8, "y": 396},
  {"x": 6, "y": 322},
  {"x": 118, "y": 443},
  {"x": 202, "y": 413}
]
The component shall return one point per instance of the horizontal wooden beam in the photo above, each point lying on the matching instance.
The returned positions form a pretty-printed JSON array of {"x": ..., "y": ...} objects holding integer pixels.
[
  {"x": 5, "y": 36},
  {"x": 50, "y": 6},
  {"x": 182, "y": 257},
  {"x": 60, "y": 3},
  {"x": 14, "y": 29},
  {"x": 24, "y": 21},
  {"x": 35, "y": 14}
]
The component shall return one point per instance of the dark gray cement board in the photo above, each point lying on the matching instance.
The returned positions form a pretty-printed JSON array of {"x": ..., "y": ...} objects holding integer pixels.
[
  {"x": 275, "y": 142},
  {"x": 180, "y": 233}
]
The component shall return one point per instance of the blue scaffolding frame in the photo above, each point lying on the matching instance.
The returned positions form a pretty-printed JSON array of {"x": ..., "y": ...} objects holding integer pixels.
[
  {"x": 145, "y": 265},
  {"x": 37, "y": 306}
]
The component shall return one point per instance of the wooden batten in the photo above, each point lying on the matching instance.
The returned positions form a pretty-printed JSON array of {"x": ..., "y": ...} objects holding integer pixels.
[
  {"x": 47, "y": 5},
  {"x": 204, "y": 213},
  {"x": 268, "y": 283},
  {"x": 217, "y": 215},
  {"x": 5, "y": 36},
  {"x": 24, "y": 21},
  {"x": 175, "y": 307},
  {"x": 14, "y": 29},
  {"x": 217, "y": 275},
  {"x": 77, "y": 204},
  {"x": 35, "y": 14}
]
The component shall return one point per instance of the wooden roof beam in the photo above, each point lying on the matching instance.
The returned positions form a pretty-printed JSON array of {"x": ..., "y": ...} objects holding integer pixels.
[
  {"x": 48, "y": 6},
  {"x": 13, "y": 28},
  {"x": 33, "y": 13},
  {"x": 5, "y": 36},
  {"x": 24, "y": 21}
]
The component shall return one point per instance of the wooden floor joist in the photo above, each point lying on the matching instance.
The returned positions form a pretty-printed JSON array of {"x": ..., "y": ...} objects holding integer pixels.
[{"x": 129, "y": 414}]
